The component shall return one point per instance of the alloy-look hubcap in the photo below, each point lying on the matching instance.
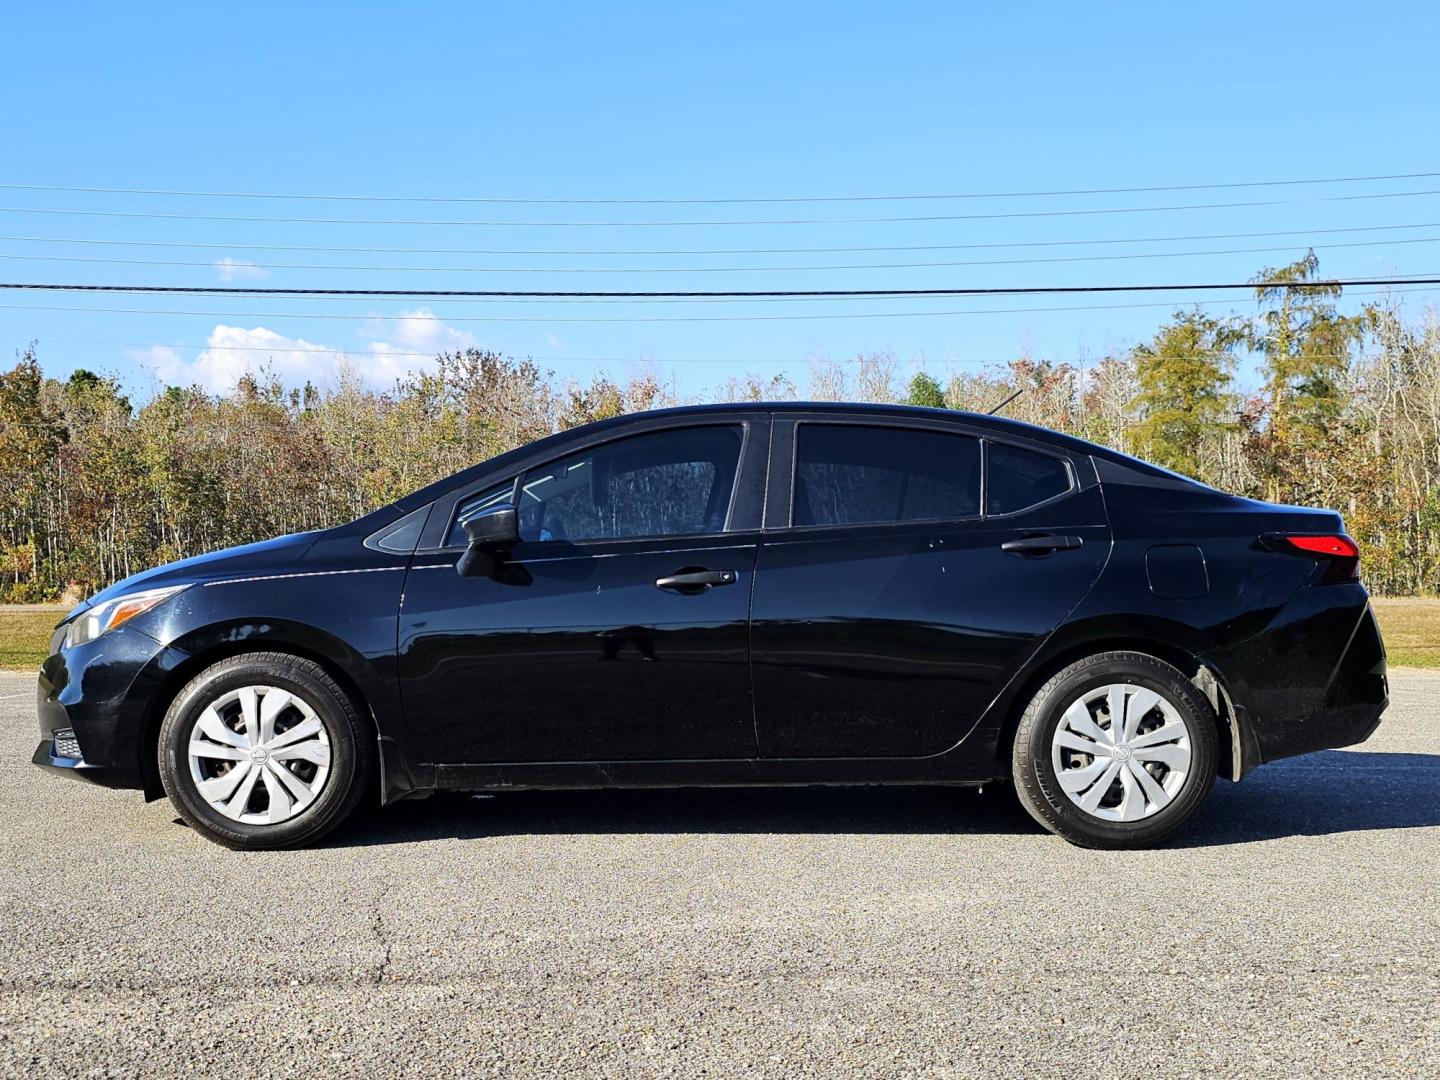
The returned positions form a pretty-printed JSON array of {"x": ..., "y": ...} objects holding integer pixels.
[
  {"x": 1121, "y": 752},
  {"x": 259, "y": 755}
]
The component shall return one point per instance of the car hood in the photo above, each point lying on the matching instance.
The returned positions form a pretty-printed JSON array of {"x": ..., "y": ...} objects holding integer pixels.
[{"x": 280, "y": 553}]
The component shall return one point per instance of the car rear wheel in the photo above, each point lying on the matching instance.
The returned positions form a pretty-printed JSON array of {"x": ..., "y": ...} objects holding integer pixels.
[
  {"x": 1117, "y": 750},
  {"x": 264, "y": 750}
]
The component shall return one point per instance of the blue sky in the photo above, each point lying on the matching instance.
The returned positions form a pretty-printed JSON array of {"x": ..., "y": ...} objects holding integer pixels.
[{"x": 633, "y": 101}]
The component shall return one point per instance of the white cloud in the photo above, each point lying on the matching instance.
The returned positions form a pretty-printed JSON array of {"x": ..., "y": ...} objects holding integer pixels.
[
  {"x": 164, "y": 361},
  {"x": 409, "y": 342},
  {"x": 233, "y": 351},
  {"x": 228, "y": 269},
  {"x": 393, "y": 350},
  {"x": 420, "y": 330}
]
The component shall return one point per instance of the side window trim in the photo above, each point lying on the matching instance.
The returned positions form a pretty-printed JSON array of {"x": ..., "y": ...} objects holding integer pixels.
[{"x": 449, "y": 504}]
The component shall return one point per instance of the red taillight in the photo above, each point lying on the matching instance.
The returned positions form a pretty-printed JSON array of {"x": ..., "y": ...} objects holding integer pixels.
[
  {"x": 1339, "y": 546},
  {"x": 1341, "y": 555}
]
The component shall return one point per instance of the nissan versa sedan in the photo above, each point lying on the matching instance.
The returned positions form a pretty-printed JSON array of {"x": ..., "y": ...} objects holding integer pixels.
[{"x": 736, "y": 595}]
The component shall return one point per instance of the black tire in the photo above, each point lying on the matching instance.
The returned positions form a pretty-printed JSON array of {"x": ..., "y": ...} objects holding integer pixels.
[
  {"x": 351, "y": 750},
  {"x": 1038, "y": 786}
]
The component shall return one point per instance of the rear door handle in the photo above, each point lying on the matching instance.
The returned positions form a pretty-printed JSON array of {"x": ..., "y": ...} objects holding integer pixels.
[
  {"x": 1041, "y": 545},
  {"x": 696, "y": 581}
]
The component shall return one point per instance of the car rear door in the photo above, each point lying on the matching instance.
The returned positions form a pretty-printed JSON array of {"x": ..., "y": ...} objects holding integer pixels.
[
  {"x": 908, "y": 569},
  {"x": 617, "y": 628}
]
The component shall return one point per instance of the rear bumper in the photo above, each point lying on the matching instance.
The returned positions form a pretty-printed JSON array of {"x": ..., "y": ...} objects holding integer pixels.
[{"x": 1349, "y": 709}]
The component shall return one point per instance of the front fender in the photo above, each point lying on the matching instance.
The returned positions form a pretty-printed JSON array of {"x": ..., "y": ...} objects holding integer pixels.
[
  {"x": 365, "y": 676},
  {"x": 207, "y": 644}
]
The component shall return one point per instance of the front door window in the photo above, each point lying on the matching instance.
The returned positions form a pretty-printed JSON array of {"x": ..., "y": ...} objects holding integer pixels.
[{"x": 671, "y": 483}]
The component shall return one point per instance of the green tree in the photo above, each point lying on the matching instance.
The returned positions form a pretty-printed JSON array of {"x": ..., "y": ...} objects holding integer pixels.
[
  {"x": 1184, "y": 402},
  {"x": 925, "y": 389},
  {"x": 32, "y": 433},
  {"x": 1307, "y": 347}
]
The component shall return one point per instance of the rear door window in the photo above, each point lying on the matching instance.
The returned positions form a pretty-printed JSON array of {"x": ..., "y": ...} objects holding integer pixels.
[{"x": 854, "y": 475}]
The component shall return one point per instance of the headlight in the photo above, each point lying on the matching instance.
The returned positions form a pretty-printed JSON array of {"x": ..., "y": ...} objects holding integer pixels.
[{"x": 105, "y": 617}]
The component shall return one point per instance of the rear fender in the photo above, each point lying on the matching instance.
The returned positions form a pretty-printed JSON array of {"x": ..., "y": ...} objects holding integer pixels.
[{"x": 1179, "y": 645}]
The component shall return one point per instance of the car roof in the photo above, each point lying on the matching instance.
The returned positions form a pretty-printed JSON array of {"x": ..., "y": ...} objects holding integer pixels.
[{"x": 999, "y": 424}]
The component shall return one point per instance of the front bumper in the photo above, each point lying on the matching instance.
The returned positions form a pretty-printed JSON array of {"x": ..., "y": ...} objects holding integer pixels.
[
  {"x": 94, "y": 706},
  {"x": 61, "y": 754}
]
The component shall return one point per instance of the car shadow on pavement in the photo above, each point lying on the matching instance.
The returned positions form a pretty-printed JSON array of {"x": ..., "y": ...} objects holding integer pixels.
[
  {"x": 1332, "y": 791},
  {"x": 858, "y": 810},
  {"x": 1327, "y": 792}
]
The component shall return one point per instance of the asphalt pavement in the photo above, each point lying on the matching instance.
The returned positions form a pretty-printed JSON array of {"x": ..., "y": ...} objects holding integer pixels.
[{"x": 1294, "y": 929}]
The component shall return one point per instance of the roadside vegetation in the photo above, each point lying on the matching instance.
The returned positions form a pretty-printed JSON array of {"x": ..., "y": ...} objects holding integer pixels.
[
  {"x": 1411, "y": 629},
  {"x": 1345, "y": 414},
  {"x": 25, "y": 636}
]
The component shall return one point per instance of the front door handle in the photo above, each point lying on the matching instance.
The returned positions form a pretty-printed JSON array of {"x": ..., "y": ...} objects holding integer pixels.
[
  {"x": 1041, "y": 545},
  {"x": 696, "y": 581}
]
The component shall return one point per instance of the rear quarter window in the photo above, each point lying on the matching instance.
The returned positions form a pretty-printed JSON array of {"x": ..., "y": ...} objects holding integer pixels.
[{"x": 1017, "y": 478}]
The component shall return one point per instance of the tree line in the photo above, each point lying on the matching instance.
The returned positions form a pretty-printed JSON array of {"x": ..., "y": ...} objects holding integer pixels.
[{"x": 1346, "y": 414}]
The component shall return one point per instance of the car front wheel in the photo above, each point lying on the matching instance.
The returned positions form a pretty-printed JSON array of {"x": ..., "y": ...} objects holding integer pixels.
[
  {"x": 1117, "y": 750},
  {"x": 264, "y": 750}
]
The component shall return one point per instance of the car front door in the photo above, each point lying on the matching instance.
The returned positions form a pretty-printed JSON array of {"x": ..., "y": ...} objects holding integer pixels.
[
  {"x": 901, "y": 589},
  {"x": 616, "y": 629}
]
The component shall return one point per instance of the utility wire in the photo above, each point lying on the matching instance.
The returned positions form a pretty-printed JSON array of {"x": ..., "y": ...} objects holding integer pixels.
[
  {"x": 711, "y": 222},
  {"x": 748, "y": 294},
  {"x": 648, "y": 318},
  {"x": 714, "y": 251},
  {"x": 213, "y": 264},
  {"x": 361, "y": 352},
  {"x": 607, "y": 201}
]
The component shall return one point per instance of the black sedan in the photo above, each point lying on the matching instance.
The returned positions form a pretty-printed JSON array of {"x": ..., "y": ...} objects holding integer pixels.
[{"x": 736, "y": 595}]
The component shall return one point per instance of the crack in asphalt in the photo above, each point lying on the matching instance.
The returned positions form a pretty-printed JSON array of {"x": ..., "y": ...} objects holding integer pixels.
[{"x": 382, "y": 938}]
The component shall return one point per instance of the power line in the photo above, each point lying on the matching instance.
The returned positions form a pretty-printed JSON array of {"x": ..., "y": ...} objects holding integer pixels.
[
  {"x": 712, "y": 251},
  {"x": 748, "y": 294},
  {"x": 340, "y": 352},
  {"x": 649, "y": 318},
  {"x": 604, "y": 301},
  {"x": 697, "y": 201},
  {"x": 213, "y": 264},
  {"x": 360, "y": 352},
  {"x": 707, "y": 223}
]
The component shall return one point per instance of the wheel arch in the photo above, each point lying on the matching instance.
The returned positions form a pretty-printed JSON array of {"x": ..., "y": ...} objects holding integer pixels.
[
  {"x": 210, "y": 645},
  {"x": 1163, "y": 639}
]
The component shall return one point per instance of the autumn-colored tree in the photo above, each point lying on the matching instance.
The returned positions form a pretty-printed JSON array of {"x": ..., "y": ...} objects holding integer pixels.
[
  {"x": 600, "y": 400},
  {"x": 752, "y": 387},
  {"x": 93, "y": 488},
  {"x": 1107, "y": 396}
]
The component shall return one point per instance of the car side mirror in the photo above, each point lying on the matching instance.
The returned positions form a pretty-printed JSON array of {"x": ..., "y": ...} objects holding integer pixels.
[{"x": 486, "y": 535}]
